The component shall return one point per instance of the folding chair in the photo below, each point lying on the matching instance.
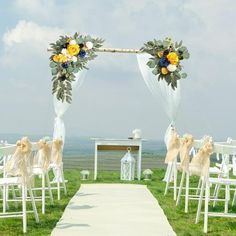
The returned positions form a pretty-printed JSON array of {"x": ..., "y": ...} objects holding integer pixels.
[
  {"x": 208, "y": 181},
  {"x": 40, "y": 168},
  {"x": 57, "y": 166},
  {"x": 17, "y": 173}
]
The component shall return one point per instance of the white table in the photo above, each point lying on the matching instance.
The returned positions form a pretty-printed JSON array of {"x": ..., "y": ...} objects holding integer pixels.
[{"x": 102, "y": 144}]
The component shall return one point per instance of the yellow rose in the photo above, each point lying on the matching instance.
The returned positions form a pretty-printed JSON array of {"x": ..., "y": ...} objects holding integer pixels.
[
  {"x": 164, "y": 71},
  {"x": 73, "y": 49},
  {"x": 59, "y": 58},
  {"x": 173, "y": 58},
  {"x": 56, "y": 58}
]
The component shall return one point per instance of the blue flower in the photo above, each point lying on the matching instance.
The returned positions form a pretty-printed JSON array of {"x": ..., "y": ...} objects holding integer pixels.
[
  {"x": 65, "y": 65},
  {"x": 82, "y": 53},
  {"x": 164, "y": 62}
]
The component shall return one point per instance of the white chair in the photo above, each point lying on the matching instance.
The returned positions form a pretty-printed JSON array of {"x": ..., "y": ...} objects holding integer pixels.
[
  {"x": 171, "y": 161},
  {"x": 40, "y": 168},
  {"x": 191, "y": 170},
  {"x": 17, "y": 173},
  {"x": 208, "y": 181},
  {"x": 57, "y": 166}
]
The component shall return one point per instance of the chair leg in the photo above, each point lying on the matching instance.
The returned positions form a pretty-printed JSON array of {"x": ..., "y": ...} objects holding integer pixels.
[
  {"x": 43, "y": 193},
  {"x": 36, "y": 216},
  {"x": 180, "y": 188},
  {"x": 216, "y": 194},
  {"x": 207, "y": 194},
  {"x": 24, "y": 208},
  {"x": 167, "y": 172},
  {"x": 186, "y": 192},
  {"x": 200, "y": 200},
  {"x": 175, "y": 180},
  {"x": 234, "y": 198},
  {"x": 58, "y": 190},
  {"x": 227, "y": 197},
  {"x": 49, "y": 188},
  {"x": 14, "y": 196},
  {"x": 168, "y": 179},
  {"x": 199, "y": 186},
  {"x": 4, "y": 203},
  {"x": 63, "y": 181}
]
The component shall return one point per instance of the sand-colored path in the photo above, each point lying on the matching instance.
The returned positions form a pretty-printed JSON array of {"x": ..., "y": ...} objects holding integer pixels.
[{"x": 113, "y": 210}]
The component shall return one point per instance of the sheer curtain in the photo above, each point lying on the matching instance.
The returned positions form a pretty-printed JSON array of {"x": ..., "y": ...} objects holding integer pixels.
[
  {"x": 61, "y": 107},
  {"x": 169, "y": 98}
]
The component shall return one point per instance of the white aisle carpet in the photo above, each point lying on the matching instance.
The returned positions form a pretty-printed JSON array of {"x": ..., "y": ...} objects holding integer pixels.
[{"x": 113, "y": 210}]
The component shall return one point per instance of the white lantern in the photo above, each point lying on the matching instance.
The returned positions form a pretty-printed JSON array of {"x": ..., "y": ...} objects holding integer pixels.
[
  {"x": 127, "y": 167},
  {"x": 84, "y": 174}
]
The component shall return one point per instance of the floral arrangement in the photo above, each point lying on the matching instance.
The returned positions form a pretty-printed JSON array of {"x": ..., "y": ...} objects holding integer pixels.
[
  {"x": 165, "y": 60},
  {"x": 69, "y": 56}
]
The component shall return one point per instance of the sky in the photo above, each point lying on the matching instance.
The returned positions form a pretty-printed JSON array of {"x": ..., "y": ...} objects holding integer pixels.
[{"x": 114, "y": 99}]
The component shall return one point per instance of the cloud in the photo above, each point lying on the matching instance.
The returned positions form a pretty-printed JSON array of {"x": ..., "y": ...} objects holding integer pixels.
[
  {"x": 204, "y": 26},
  {"x": 40, "y": 8},
  {"x": 31, "y": 34}
]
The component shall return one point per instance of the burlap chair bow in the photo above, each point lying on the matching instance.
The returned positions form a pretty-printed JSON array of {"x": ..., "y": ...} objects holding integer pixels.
[
  {"x": 173, "y": 147},
  {"x": 201, "y": 161},
  {"x": 186, "y": 144},
  {"x": 42, "y": 158},
  {"x": 19, "y": 162}
]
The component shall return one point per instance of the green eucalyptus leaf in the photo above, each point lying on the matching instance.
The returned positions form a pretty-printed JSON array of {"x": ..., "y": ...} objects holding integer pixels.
[{"x": 155, "y": 71}]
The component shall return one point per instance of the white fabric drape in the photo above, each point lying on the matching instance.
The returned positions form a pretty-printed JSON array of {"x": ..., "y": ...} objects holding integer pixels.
[
  {"x": 169, "y": 98},
  {"x": 61, "y": 107}
]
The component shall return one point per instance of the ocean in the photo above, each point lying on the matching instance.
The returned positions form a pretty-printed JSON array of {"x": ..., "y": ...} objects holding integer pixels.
[{"x": 79, "y": 153}]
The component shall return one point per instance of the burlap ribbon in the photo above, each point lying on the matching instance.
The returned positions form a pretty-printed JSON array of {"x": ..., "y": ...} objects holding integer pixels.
[
  {"x": 42, "y": 158},
  {"x": 186, "y": 143},
  {"x": 201, "y": 161},
  {"x": 173, "y": 147},
  {"x": 56, "y": 156},
  {"x": 19, "y": 162}
]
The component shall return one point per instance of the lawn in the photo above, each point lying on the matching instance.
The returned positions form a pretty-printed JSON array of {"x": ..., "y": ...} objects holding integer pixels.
[{"x": 183, "y": 224}]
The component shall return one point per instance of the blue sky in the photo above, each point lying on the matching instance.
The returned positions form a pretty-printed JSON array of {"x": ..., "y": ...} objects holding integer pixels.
[{"x": 114, "y": 99}]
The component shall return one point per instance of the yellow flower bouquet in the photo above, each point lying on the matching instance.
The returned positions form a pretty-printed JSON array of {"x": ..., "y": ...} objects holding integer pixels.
[
  {"x": 69, "y": 56},
  {"x": 165, "y": 60}
]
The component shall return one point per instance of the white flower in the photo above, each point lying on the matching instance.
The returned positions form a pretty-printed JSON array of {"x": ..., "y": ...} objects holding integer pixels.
[
  {"x": 89, "y": 45},
  {"x": 74, "y": 59},
  {"x": 72, "y": 41},
  {"x": 64, "y": 51},
  {"x": 171, "y": 68}
]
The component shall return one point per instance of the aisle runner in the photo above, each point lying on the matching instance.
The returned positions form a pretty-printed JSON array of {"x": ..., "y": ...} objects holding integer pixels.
[{"x": 113, "y": 210}]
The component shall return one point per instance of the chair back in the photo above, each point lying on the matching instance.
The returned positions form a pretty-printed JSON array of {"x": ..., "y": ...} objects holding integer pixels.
[{"x": 227, "y": 152}]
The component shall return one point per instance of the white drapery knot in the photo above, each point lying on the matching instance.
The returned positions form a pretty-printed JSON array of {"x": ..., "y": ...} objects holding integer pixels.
[
  {"x": 173, "y": 147},
  {"x": 56, "y": 155}
]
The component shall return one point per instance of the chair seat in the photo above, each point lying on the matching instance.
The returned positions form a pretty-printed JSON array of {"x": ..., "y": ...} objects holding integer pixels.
[
  {"x": 225, "y": 181},
  {"x": 214, "y": 170},
  {"x": 10, "y": 181}
]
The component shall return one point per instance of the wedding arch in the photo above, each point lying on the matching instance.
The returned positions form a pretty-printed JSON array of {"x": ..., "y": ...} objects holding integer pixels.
[{"x": 158, "y": 60}]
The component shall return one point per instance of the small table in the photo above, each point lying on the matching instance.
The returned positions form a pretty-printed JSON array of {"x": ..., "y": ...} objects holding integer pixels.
[{"x": 103, "y": 144}]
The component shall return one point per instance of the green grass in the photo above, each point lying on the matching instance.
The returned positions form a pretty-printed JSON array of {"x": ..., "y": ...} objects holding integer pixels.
[{"x": 183, "y": 224}]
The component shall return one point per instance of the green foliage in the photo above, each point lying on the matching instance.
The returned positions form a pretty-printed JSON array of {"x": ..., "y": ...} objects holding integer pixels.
[
  {"x": 63, "y": 74},
  {"x": 156, "y": 48}
]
